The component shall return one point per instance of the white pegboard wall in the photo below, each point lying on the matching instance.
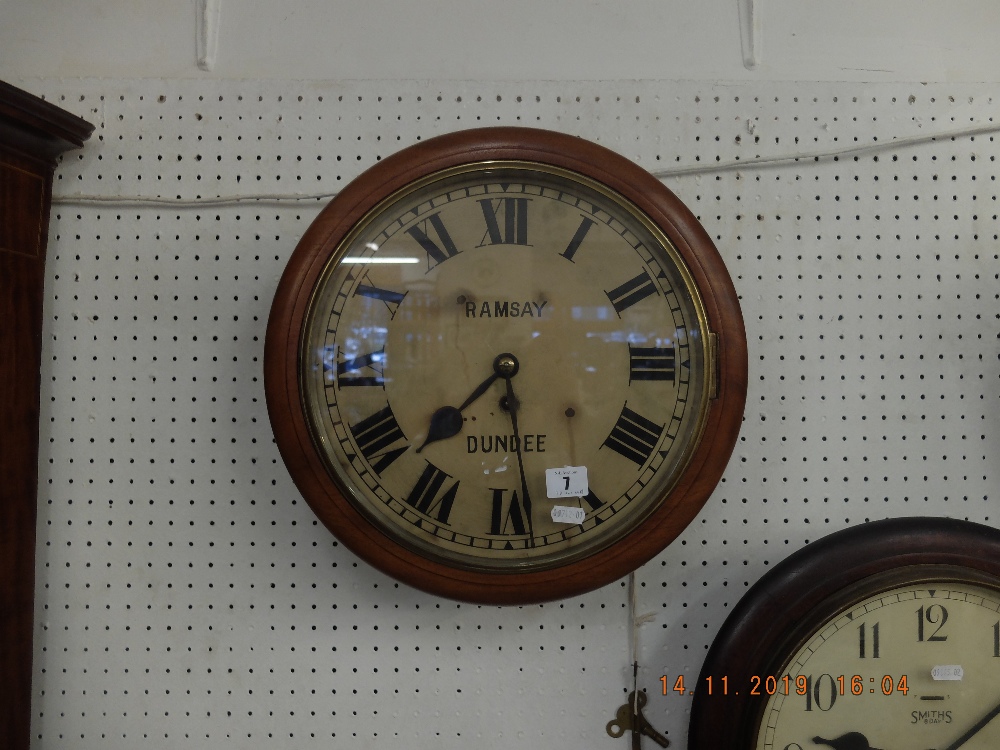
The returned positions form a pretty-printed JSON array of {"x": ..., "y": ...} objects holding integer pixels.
[{"x": 186, "y": 595}]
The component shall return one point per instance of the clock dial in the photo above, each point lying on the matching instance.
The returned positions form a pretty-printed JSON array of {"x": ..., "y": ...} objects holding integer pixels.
[
  {"x": 912, "y": 666},
  {"x": 884, "y": 636},
  {"x": 607, "y": 364},
  {"x": 505, "y": 365}
]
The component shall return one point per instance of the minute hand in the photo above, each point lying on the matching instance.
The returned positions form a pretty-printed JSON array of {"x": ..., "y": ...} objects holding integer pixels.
[
  {"x": 975, "y": 729},
  {"x": 513, "y": 405}
]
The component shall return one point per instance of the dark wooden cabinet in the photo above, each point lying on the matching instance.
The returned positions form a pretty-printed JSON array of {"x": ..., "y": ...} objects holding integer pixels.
[{"x": 32, "y": 134}]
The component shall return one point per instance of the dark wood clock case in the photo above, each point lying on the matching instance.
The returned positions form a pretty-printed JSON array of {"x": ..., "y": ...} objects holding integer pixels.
[{"x": 32, "y": 135}]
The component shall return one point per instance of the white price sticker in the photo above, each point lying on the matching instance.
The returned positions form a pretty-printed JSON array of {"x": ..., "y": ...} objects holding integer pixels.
[
  {"x": 569, "y": 481},
  {"x": 565, "y": 514},
  {"x": 948, "y": 672}
]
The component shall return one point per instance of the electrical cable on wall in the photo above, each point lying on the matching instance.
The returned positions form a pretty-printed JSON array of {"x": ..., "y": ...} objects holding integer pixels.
[
  {"x": 281, "y": 199},
  {"x": 636, "y": 621}
]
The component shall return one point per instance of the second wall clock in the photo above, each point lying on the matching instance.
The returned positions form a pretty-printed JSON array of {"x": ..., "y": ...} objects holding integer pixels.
[
  {"x": 506, "y": 366},
  {"x": 879, "y": 636}
]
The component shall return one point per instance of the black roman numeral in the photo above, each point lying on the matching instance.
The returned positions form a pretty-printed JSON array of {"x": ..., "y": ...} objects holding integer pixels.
[
  {"x": 595, "y": 504},
  {"x": 426, "y": 495},
  {"x": 374, "y": 361},
  {"x": 593, "y": 501},
  {"x": 511, "y": 522},
  {"x": 634, "y": 436},
  {"x": 391, "y": 299},
  {"x": 574, "y": 244},
  {"x": 374, "y": 434},
  {"x": 435, "y": 253},
  {"x": 651, "y": 363},
  {"x": 514, "y": 212},
  {"x": 632, "y": 291}
]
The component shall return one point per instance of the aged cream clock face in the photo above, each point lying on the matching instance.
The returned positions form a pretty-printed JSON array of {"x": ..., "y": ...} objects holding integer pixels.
[
  {"x": 487, "y": 328},
  {"x": 910, "y": 667},
  {"x": 506, "y": 365}
]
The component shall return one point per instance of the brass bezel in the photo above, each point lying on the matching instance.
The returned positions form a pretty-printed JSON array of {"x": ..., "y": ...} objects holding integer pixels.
[{"x": 707, "y": 380}]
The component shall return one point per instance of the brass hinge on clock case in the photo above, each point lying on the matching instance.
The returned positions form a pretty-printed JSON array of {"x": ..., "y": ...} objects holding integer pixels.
[{"x": 713, "y": 368}]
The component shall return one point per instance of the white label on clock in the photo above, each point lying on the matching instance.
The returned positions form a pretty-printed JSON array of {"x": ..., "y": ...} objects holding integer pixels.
[
  {"x": 569, "y": 481},
  {"x": 566, "y": 514},
  {"x": 948, "y": 672}
]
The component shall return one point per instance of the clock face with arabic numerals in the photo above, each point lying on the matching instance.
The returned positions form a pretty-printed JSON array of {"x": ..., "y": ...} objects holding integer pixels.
[
  {"x": 885, "y": 635},
  {"x": 506, "y": 365}
]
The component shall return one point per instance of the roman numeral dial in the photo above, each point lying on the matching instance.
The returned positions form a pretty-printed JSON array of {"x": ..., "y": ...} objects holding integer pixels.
[
  {"x": 634, "y": 436},
  {"x": 360, "y": 370},
  {"x": 631, "y": 292},
  {"x": 374, "y": 436},
  {"x": 506, "y": 221},
  {"x": 485, "y": 333},
  {"x": 652, "y": 363},
  {"x": 431, "y": 495},
  {"x": 471, "y": 328},
  {"x": 434, "y": 239}
]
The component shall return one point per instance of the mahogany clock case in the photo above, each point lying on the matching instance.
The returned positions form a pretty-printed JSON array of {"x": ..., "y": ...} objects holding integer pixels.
[
  {"x": 33, "y": 133},
  {"x": 494, "y": 145}
]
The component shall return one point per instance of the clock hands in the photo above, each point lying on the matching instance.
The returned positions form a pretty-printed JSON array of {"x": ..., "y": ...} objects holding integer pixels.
[
  {"x": 857, "y": 741},
  {"x": 447, "y": 421},
  {"x": 849, "y": 741},
  {"x": 975, "y": 729},
  {"x": 512, "y": 406}
]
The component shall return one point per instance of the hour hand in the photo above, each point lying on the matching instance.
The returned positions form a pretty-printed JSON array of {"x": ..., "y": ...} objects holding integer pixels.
[
  {"x": 447, "y": 421},
  {"x": 849, "y": 741}
]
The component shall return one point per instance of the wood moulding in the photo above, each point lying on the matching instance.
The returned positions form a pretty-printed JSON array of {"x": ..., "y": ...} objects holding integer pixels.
[{"x": 33, "y": 133}]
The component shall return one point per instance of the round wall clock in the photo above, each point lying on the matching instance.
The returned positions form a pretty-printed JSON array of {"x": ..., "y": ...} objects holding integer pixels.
[
  {"x": 505, "y": 365},
  {"x": 885, "y": 636}
]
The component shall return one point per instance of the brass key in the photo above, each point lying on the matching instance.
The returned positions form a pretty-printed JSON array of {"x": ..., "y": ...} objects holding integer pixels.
[{"x": 629, "y": 718}]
